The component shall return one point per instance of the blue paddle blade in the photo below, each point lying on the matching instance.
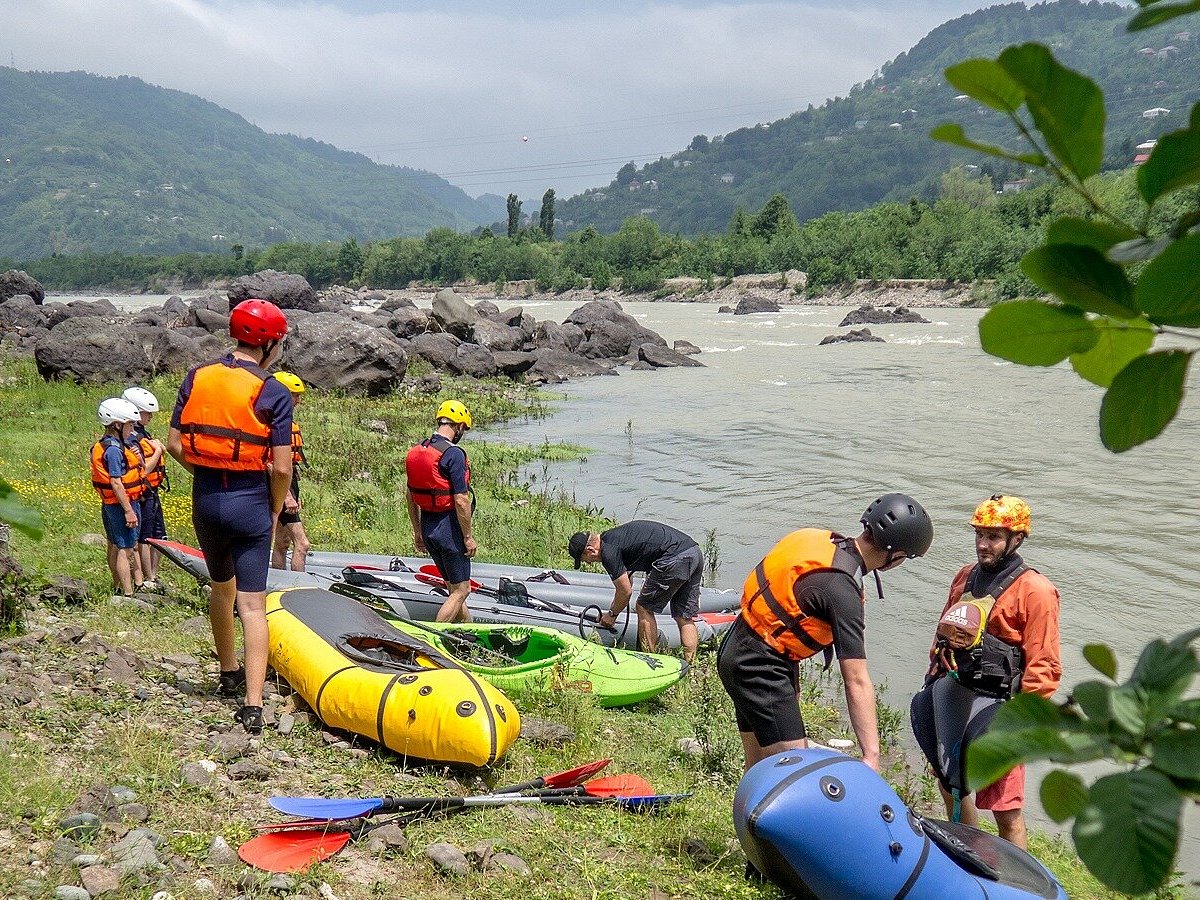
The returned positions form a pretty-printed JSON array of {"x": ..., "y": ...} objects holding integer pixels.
[
  {"x": 327, "y": 808},
  {"x": 648, "y": 804}
]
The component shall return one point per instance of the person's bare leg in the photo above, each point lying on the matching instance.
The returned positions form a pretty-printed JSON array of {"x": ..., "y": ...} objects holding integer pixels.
[
  {"x": 143, "y": 552},
  {"x": 967, "y": 813},
  {"x": 300, "y": 546},
  {"x": 647, "y": 630},
  {"x": 155, "y": 559},
  {"x": 252, "y": 611},
  {"x": 220, "y": 617},
  {"x": 454, "y": 608},
  {"x": 754, "y": 752},
  {"x": 1011, "y": 825},
  {"x": 279, "y": 547},
  {"x": 125, "y": 570},
  {"x": 688, "y": 638}
]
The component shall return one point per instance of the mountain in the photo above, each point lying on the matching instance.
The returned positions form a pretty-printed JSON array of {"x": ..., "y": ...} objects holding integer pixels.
[
  {"x": 105, "y": 164},
  {"x": 874, "y": 144}
]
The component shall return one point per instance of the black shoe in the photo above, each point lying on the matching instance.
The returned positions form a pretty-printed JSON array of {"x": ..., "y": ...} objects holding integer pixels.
[
  {"x": 232, "y": 683},
  {"x": 251, "y": 719}
]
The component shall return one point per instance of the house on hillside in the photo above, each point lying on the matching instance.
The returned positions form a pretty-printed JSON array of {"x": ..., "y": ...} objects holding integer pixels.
[
  {"x": 1155, "y": 113},
  {"x": 1017, "y": 184},
  {"x": 1142, "y": 152},
  {"x": 896, "y": 126},
  {"x": 963, "y": 98},
  {"x": 727, "y": 178},
  {"x": 1182, "y": 36},
  {"x": 635, "y": 186},
  {"x": 1147, "y": 51},
  {"x": 650, "y": 185}
]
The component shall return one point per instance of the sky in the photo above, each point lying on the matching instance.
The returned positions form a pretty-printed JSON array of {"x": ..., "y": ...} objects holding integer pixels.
[{"x": 494, "y": 96}]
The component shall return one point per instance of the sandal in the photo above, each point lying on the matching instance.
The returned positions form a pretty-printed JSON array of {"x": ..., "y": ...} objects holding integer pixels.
[
  {"x": 231, "y": 684},
  {"x": 250, "y": 718}
]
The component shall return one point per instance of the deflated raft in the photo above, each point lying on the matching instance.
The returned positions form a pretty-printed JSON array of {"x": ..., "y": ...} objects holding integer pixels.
[
  {"x": 822, "y": 824},
  {"x": 518, "y": 657},
  {"x": 360, "y": 674}
]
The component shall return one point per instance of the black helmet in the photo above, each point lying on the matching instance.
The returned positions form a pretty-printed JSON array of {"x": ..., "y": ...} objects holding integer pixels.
[{"x": 898, "y": 522}]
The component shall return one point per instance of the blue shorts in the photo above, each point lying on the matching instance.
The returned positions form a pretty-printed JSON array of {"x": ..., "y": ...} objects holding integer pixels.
[
  {"x": 118, "y": 533},
  {"x": 150, "y": 516},
  {"x": 233, "y": 524}
]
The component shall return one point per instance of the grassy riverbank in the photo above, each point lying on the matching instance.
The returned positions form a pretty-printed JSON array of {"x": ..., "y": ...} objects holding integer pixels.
[{"x": 80, "y": 731}]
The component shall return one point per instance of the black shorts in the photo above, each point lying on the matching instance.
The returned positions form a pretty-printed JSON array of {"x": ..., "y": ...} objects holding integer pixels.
[
  {"x": 234, "y": 531},
  {"x": 291, "y": 518},
  {"x": 152, "y": 523},
  {"x": 764, "y": 685}
]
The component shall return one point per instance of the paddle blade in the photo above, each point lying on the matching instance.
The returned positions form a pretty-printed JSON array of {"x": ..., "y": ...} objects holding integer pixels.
[
  {"x": 619, "y": 786},
  {"x": 327, "y": 807},
  {"x": 291, "y": 851},
  {"x": 303, "y": 824},
  {"x": 649, "y": 804},
  {"x": 433, "y": 575},
  {"x": 573, "y": 777}
]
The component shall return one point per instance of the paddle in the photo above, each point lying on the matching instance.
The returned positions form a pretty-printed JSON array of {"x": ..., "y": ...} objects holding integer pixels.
[
  {"x": 294, "y": 851},
  {"x": 350, "y": 807}
]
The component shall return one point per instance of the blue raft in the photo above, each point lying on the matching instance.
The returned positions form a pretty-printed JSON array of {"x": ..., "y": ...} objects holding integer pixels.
[{"x": 825, "y": 825}]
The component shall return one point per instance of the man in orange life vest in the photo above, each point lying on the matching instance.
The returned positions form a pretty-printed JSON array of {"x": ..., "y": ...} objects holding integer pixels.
[
  {"x": 998, "y": 636},
  {"x": 806, "y": 597},
  {"x": 290, "y": 530},
  {"x": 118, "y": 478},
  {"x": 441, "y": 505},
  {"x": 232, "y": 429}
]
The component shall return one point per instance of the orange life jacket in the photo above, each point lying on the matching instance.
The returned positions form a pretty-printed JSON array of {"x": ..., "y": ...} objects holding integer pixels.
[
  {"x": 298, "y": 456},
  {"x": 218, "y": 424},
  {"x": 769, "y": 604},
  {"x": 431, "y": 489},
  {"x": 102, "y": 481},
  {"x": 158, "y": 474}
]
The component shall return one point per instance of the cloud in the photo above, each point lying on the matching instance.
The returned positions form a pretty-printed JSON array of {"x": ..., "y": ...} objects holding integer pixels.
[{"x": 453, "y": 89}]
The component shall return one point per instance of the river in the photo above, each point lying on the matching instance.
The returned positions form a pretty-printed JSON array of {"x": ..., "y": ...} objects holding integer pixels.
[{"x": 777, "y": 433}]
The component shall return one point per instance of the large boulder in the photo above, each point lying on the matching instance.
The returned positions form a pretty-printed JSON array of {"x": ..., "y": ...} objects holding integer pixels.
[
  {"x": 870, "y": 315},
  {"x": 854, "y": 336},
  {"x": 285, "y": 290},
  {"x": 495, "y": 336},
  {"x": 395, "y": 303},
  {"x": 408, "y": 321},
  {"x": 436, "y": 349},
  {"x": 755, "y": 303},
  {"x": 514, "y": 315},
  {"x": 92, "y": 349},
  {"x": 605, "y": 340},
  {"x": 21, "y": 311},
  {"x": 79, "y": 309},
  {"x": 175, "y": 350},
  {"x": 333, "y": 352},
  {"x": 555, "y": 366},
  {"x": 175, "y": 311},
  {"x": 213, "y": 322},
  {"x": 592, "y": 313},
  {"x": 552, "y": 336},
  {"x": 663, "y": 358},
  {"x": 474, "y": 361},
  {"x": 454, "y": 314},
  {"x": 685, "y": 347},
  {"x": 212, "y": 302},
  {"x": 513, "y": 362},
  {"x": 14, "y": 282},
  {"x": 487, "y": 309}
]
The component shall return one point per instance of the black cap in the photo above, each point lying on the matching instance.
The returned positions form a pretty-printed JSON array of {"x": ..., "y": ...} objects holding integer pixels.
[{"x": 575, "y": 546}]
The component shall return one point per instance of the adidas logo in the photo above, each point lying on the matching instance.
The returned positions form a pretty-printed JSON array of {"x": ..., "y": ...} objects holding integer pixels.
[{"x": 957, "y": 616}]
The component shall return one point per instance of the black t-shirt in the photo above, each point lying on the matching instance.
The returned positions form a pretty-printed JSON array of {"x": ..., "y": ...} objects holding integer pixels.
[
  {"x": 637, "y": 545},
  {"x": 836, "y": 598}
]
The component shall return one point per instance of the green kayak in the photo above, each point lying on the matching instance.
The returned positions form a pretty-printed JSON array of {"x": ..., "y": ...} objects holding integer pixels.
[{"x": 522, "y": 657}]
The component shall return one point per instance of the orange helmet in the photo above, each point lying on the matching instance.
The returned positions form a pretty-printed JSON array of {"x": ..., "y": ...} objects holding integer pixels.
[{"x": 1001, "y": 511}]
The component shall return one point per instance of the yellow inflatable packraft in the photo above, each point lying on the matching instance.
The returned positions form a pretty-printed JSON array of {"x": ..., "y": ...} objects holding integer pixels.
[{"x": 360, "y": 674}]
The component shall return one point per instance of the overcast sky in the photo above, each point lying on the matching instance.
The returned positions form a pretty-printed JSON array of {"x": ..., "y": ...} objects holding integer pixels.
[{"x": 495, "y": 96}]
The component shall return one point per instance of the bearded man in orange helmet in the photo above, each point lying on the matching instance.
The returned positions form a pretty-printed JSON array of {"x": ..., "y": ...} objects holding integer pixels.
[{"x": 998, "y": 636}]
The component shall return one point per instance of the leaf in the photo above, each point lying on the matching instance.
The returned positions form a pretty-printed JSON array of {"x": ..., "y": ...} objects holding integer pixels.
[
  {"x": 1088, "y": 233},
  {"x": 986, "y": 81},
  {"x": 1177, "y": 752},
  {"x": 1143, "y": 399},
  {"x": 1127, "y": 833},
  {"x": 1148, "y": 18},
  {"x": 1168, "y": 290},
  {"x": 1174, "y": 163},
  {"x": 1034, "y": 333},
  {"x": 17, "y": 514},
  {"x": 951, "y": 133},
  {"x": 1128, "y": 710},
  {"x": 1162, "y": 666},
  {"x": 1119, "y": 342},
  {"x": 1067, "y": 107},
  {"x": 1082, "y": 277},
  {"x": 1187, "y": 711},
  {"x": 1093, "y": 697},
  {"x": 1101, "y": 658},
  {"x": 1138, "y": 250},
  {"x": 1063, "y": 795}
]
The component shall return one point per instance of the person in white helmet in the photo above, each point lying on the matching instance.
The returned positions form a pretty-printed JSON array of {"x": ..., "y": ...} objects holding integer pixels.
[
  {"x": 154, "y": 466},
  {"x": 117, "y": 478}
]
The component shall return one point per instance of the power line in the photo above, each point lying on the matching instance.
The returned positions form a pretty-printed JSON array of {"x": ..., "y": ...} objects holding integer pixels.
[{"x": 560, "y": 165}]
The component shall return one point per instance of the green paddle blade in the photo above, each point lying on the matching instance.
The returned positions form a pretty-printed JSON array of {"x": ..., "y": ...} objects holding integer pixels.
[{"x": 291, "y": 851}]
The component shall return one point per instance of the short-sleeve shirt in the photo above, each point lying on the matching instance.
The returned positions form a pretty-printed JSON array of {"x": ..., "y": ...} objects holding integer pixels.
[
  {"x": 834, "y": 597},
  {"x": 636, "y": 546},
  {"x": 114, "y": 460},
  {"x": 273, "y": 407}
]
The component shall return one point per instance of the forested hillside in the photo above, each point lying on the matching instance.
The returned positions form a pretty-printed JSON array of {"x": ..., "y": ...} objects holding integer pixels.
[
  {"x": 873, "y": 144},
  {"x": 100, "y": 164}
]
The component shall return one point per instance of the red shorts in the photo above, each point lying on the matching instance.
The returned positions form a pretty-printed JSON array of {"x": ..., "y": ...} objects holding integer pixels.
[{"x": 1007, "y": 793}]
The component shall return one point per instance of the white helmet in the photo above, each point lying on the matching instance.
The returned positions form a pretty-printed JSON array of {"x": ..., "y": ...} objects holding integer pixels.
[
  {"x": 141, "y": 398},
  {"x": 115, "y": 410}
]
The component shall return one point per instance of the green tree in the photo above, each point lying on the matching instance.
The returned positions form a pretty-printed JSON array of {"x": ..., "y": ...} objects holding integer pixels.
[
  {"x": 546, "y": 215},
  {"x": 699, "y": 143},
  {"x": 626, "y": 173},
  {"x": 349, "y": 261},
  {"x": 514, "y": 215},
  {"x": 774, "y": 219},
  {"x": 1120, "y": 280}
]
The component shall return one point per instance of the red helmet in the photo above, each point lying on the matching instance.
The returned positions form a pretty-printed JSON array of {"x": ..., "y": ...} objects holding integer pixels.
[{"x": 256, "y": 322}]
